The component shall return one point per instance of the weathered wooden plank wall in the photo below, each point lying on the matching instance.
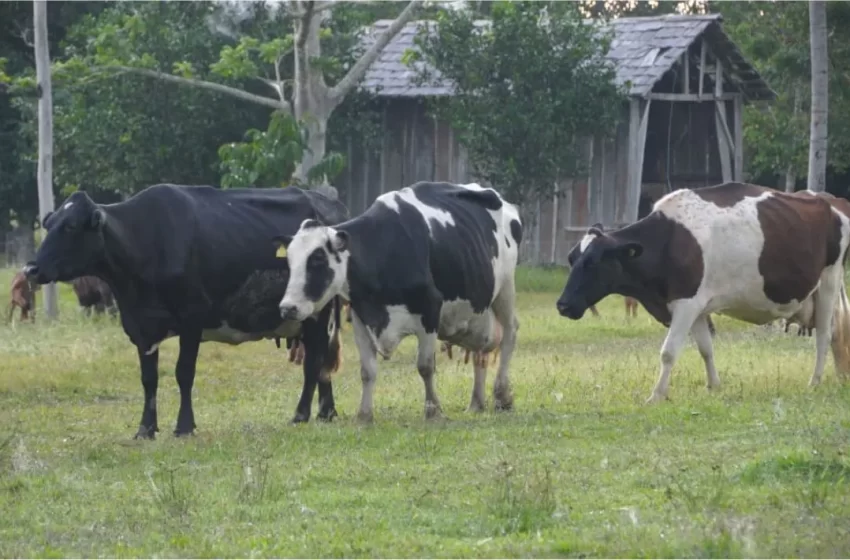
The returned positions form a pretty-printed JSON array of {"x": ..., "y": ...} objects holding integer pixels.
[{"x": 415, "y": 147}]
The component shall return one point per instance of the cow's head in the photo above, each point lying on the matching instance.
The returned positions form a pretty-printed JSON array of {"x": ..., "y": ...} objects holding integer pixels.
[
  {"x": 318, "y": 264},
  {"x": 73, "y": 243},
  {"x": 597, "y": 267}
]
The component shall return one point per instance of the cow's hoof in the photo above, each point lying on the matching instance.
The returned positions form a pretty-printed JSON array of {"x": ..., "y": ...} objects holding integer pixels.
[
  {"x": 179, "y": 433},
  {"x": 813, "y": 383},
  {"x": 476, "y": 406},
  {"x": 433, "y": 411},
  {"x": 503, "y": 400},
  {"x": 365, "y": 417},
  {"x": 300, "y": 418},
  {"x": 146, "y": 432},
  {"x": 327, "y": 415},
  {"x": 655, "y": 398},
  {"x": 503, "y": 405}
]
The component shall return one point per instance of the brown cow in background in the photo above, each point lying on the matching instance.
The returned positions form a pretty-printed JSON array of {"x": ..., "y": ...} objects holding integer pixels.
[
  {"x": 22, "y": 296},
  {"x": 94, "y": 293}
]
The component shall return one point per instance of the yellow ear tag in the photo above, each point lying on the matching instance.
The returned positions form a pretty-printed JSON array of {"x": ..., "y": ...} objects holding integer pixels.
[{"x": 281, "y": 252}]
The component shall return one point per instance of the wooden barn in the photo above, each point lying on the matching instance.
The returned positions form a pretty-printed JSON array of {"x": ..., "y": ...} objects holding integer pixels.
[{"x": 681, "y": 127}]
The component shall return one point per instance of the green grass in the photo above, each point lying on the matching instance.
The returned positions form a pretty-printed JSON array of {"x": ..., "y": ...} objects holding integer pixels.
[{"x": 580, "y": 468}]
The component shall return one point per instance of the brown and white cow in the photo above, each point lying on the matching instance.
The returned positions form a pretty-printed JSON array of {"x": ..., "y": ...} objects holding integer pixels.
[{"x": 741, "y": 250}]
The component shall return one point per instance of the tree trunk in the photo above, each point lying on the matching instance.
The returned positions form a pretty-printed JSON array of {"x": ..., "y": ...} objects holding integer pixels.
[
  {"x": 314, "y": 101},
  {"x": 790, "y": 179},
  {"x": 45, "y": 132},
  {"x": 791, "y": 171},
  {"x": 820, "y": 96}
]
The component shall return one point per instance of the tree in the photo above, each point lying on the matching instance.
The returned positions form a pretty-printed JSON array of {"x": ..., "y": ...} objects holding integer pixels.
[
  {"x": 820, "y": 96},
  {"x": 305, "y": 94},
  {"x": 530, "y": 87},
  {"x": 45, "y": 132},
  {"x": 776, "y": 41}
]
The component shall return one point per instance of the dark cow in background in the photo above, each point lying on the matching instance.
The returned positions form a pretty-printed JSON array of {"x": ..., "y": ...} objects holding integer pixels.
[
  {"x": 22, "y": 296},
  {"x": 198, "y": 263},
  {"x": 433, "y": 260},
  {"x": 742, "y": 250},
  {"x": 94, "y": 293}
]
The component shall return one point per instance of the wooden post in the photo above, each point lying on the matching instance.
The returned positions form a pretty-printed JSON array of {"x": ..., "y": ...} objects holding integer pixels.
[
  {"x": 45, "y": 133},
  {"x": 637, "y": 139},
  {"x": 554, "y": 247},
  {"x": 686, "y": 76},
  {"x": 644, "y": 125},
  {"x": 633, "y": 184},
  {"x": 720, "y": 122},
  {"x": 739, "y": 137},
  {"x": 702, "y": 50}
]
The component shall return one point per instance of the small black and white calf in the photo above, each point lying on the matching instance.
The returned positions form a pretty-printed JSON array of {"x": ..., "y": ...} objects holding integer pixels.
[{"x": 433, "y": 260}]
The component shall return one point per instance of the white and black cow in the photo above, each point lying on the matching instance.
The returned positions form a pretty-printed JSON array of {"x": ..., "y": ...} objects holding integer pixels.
[
  {"x": 433, "y": 260},
  {"x": 195, "y": 262},
  {"x": 741, "y": 250}
]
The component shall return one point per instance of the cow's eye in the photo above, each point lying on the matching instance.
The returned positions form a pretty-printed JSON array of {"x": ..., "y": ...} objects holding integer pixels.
[{"x": 317, "y": 259}]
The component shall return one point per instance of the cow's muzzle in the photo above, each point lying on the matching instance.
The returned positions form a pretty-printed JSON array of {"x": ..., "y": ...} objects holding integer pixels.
[
  {"x": 570, "y": 310},
  {"x": 31, "y": 271},
  {"x": 289, "y": 312}
]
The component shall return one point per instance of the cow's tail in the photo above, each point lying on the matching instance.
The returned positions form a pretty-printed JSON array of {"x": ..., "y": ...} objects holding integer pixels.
[
  {"x": 333, "y": 357},
  {"x": 841, "y": 334}
]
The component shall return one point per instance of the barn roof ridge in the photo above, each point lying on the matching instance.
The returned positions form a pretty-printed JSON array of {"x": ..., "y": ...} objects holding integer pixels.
[{"x": 642, "y": 50}]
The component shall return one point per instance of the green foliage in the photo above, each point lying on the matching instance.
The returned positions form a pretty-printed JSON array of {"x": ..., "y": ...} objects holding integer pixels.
[
  {"x": 116, "y": 134},
  {"x": 268, "y": 158},
  {"x": 776, "y": 41},
  {"x": 527, "y": 90}
]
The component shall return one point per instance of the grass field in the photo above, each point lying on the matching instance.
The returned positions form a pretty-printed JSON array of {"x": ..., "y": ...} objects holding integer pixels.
[{"x": 580, "y": 468}]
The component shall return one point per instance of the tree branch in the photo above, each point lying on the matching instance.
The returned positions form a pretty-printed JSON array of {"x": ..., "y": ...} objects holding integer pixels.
[
  {"x": 318, "y": 7},
  {"x": 341, "y": 89},
  {"x": 221, "y": 88}
]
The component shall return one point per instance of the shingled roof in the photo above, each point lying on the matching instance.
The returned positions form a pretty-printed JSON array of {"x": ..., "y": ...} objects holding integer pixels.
[{"x": 643, "y": 49}]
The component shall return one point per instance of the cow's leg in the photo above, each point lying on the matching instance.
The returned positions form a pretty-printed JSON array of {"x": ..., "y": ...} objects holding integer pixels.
[
  {"x": 684, "y": 316},
  {"x": 150, "y": 381},
  {"x": 702, "y": 336},
  {"x": 315, "y": 345},
  {"x": 824, "y": 310},
  {"x": 426, "y": 364},
  {"x": 185, "y": 373},
  {"x": 368, "y": 369},
  {"x": 477, "y": 402},
  {"x": 504, "y": 310}
]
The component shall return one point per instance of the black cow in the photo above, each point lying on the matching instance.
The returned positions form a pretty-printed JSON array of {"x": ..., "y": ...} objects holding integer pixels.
[
  {"x": 434, "y": 260},
  {"x": 195, "y": 262}
]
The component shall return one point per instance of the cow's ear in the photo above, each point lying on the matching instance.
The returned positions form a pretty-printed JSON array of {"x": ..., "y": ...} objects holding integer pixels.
[
  {"x": 281, "y": 242},
  {"x": 45, "y": 218},
  {"x": 98, "y": 218},
  {"x": 340, "y": 241}
]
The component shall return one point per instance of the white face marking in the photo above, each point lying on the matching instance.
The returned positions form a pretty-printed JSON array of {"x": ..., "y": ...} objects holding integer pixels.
[
  {"x": 391, "y": 199},
  {"x": 302, "y": 245},
  {"x": 67, "y": 205},
  {"x": 586, "y": 241}
]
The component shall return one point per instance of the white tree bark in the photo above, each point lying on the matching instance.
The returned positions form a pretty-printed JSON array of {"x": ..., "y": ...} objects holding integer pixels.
[
  {"x": 820, "y": 96},
  {"x": 791, "y": 171},
  {"x": 45, "y": 132},
  {"x": 314, "y": 101}
]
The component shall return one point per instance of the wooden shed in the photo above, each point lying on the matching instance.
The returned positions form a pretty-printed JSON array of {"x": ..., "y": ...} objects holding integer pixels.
[{"x": 681, "y": 127}]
